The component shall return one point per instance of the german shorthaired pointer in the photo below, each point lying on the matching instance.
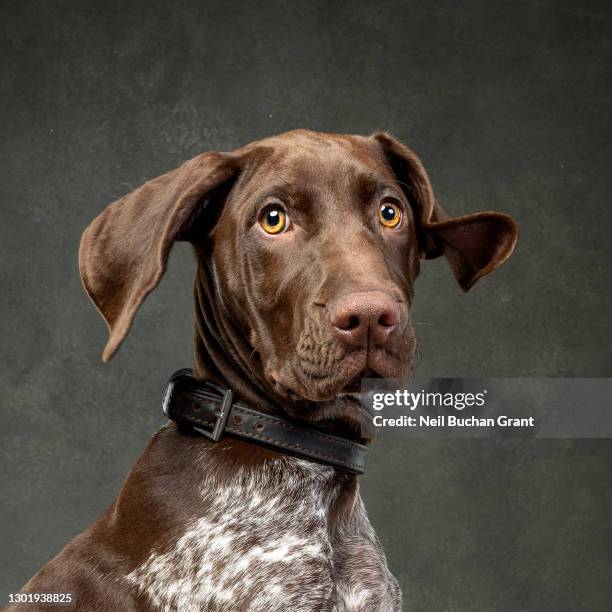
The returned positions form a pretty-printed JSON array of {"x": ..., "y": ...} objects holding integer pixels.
[{"x": 308, "y": 245}]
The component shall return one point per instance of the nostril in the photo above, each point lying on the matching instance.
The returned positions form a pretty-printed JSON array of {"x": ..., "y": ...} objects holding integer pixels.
[
  {"x": 346, "y": 321},
  {"x": 353, "y": 323},
  {"x": 387, "y": 319}
]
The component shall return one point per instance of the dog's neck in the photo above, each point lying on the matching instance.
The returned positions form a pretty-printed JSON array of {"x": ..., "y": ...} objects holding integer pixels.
[{"x": 224, "y": 355}]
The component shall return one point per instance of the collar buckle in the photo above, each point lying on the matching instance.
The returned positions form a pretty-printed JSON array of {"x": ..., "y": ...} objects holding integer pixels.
[{"x": 221, "y": 415}]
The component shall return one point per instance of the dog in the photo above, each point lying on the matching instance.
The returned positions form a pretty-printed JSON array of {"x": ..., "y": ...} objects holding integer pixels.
[{"x": 308, "y": 245}]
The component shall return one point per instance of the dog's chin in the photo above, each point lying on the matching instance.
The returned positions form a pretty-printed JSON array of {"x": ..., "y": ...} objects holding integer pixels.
[{"x": 352, "y": 386}]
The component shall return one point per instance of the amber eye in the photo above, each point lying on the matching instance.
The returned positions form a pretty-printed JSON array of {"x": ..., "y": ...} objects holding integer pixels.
[
  {"x": 389, "y": 214},
  {"x": 273, "y": 220}
]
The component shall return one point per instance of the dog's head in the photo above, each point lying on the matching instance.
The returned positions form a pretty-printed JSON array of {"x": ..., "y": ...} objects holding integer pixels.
[{"x": 311, "y": 243}]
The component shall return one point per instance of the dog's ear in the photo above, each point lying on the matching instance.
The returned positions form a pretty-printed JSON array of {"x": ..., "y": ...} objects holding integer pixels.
[
  {"x": 124, "y": 251},
  {"x": 474, "y": 244}
]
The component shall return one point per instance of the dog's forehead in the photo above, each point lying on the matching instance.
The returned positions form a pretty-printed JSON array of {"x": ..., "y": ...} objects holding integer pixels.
[{"x": 316, "y": 157}]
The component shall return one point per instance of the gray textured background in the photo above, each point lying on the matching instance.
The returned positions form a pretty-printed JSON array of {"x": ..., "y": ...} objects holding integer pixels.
[{"x": 508, "y": 105}]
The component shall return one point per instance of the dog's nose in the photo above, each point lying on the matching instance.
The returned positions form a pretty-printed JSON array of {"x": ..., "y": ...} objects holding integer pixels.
[{"x": 357, "y": 317}]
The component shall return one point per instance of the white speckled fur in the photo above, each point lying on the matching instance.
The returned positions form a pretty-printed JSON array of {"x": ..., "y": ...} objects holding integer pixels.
[{"x": 273, "y": 538}]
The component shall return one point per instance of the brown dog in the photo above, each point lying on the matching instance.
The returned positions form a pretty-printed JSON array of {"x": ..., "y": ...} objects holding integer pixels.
[{"x": 308, "y": 246}]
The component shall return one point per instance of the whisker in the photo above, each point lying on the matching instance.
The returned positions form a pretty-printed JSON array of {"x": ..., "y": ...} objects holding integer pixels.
[{"x": 418, "y": 359}]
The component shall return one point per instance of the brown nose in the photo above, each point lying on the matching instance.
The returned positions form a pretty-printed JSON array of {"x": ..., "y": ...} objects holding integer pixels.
[{"x": 357, "y": 317}]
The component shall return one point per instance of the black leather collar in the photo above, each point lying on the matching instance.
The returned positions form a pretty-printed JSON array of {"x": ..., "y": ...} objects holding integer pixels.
[{"x": 210, "y": 410}]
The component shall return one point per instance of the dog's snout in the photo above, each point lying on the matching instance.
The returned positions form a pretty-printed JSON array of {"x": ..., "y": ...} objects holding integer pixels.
[{"x": 368, "y": 316}]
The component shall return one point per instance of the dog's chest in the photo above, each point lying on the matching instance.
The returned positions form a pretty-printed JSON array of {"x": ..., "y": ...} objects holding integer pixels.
[{"x": 267, "y": 540}]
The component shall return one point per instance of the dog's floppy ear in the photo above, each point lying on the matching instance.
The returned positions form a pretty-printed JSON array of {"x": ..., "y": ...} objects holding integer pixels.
[
  {"x": 474, "y": 244},
  {"x": 124, "y": 251}
]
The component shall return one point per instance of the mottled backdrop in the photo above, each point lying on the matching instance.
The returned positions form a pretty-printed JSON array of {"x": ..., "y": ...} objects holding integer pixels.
[{"x": 508, "y": 105}]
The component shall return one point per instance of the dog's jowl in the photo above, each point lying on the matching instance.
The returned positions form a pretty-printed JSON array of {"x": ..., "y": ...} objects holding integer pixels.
[{"x": 307, "y": 245}]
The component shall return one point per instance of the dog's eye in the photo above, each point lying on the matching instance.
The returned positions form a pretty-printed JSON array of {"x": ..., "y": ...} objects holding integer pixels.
[
  {"x": 389, "y": 214},
  {"x": 273, "y": 220}
]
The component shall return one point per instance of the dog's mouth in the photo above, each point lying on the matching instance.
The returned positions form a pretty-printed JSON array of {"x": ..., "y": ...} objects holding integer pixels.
[
  {"x": 313, "y": 378},
  {"x": 345, "y": 378}
]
